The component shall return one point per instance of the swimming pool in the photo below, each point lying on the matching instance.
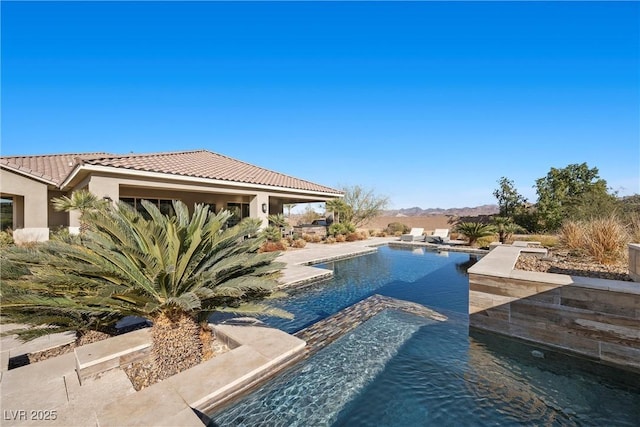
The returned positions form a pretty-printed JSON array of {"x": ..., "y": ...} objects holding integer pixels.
[{"x": 399, "y": 369}]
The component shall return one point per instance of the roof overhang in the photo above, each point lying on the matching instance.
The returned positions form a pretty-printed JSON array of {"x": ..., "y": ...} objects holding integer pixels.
[
  {"x": 17, "y": 169},
  {"x": 81, "y": 170}
]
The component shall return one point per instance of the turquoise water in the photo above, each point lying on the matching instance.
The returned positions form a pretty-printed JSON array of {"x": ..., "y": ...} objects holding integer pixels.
[{"x": 399, "y": 369}]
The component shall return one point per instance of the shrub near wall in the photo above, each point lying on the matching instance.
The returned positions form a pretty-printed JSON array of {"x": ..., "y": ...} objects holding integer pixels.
[{"x": 604, "y": 239}]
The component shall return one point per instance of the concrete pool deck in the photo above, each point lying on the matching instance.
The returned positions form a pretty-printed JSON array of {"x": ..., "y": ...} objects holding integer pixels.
[{"x": 50, "y": 392}]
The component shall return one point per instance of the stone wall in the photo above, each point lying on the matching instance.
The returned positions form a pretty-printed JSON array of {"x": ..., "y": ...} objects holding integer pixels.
[
  {"x": 634, "y": 261},
  {"x": 319, "y": 230},
  {"x": 596, "y": 318}
]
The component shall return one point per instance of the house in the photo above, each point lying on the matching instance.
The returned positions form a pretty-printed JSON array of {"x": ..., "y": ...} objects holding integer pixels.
[{"x": 29, "y": 183}]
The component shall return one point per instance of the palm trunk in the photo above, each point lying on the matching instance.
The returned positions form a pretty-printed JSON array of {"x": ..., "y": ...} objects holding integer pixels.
[{"x": 176, "y": 343}]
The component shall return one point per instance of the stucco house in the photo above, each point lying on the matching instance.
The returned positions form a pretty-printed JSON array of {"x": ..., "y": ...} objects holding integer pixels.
[{"x": 29, "y": 183}]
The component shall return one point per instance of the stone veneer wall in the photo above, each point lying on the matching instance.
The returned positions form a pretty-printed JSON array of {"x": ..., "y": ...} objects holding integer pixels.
[
  {"x": 596, "y": 318},
  {"x": 634, "y": 261}
]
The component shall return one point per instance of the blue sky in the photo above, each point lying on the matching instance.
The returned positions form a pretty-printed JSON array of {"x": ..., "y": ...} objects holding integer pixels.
[{"x": 428, "y": 103}]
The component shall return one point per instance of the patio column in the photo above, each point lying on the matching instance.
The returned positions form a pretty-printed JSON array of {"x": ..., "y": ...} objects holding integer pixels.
[{"x": 259, "y": 208}]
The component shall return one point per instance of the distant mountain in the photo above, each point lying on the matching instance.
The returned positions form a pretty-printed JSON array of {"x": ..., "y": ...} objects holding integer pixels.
[{"x": 466, "y": 211}]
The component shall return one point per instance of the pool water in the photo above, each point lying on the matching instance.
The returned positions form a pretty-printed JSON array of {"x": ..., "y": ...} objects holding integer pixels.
[{"x": 399, "y": 369}]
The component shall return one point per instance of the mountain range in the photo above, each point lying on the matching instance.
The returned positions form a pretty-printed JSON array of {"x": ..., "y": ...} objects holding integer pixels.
[{"x": 466, "y": 211}]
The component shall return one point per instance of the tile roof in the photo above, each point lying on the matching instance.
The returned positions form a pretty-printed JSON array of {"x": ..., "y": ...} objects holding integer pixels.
[
  {"x": 197, "y": 163},
  {"x": 53, "y": 168}
]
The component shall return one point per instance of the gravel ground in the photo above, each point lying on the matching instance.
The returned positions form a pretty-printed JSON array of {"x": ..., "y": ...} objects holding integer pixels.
[
  {"x": 574, "y": 266},
  {"x": 143, "y": 373}
]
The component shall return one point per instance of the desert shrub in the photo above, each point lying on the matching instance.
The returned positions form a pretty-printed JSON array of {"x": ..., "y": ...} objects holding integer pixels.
[
  {"x": 381, "y": 234},
  {"x": 270, "y": 246},
  {"x": 484, "y": 242},
  {"x": 307, "y": 237},
  {"x": 330, "y": 240},
  {"x": 341, "y": 238},
  {"x": 606, "y": 240},
  {"x": 364, "y": 235},
  {"x": 372, "y": 232},
  {"x": 546, "y": 240},
  {"x": 634, "y": 227},
  {"x": 352, "y": 237},
  {"x": 397, "y": 227},
  {"x": 6, "y": 238},
  {"x": 299, "y": 243},
  {"x": 316, "y": 238},
  {"x": 572, "y": 234}
]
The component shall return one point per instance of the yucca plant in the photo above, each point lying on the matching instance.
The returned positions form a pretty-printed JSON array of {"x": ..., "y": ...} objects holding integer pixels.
[
  {"x": 474, "y": 230},
  {"x": 174, "y": 270}
]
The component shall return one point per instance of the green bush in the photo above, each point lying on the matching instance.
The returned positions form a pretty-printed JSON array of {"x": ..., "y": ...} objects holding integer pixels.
[
  {"x": 341, "y": 228},
  {"x": 273, "y": 234}
]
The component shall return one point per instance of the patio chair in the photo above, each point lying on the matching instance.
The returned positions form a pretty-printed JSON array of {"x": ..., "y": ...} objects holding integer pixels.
[
  {"x": 413, "y": 235},
  {"x": 440, "y": 235}
]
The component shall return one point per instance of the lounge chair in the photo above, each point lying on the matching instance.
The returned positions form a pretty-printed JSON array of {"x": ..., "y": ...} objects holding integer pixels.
[
  {"x": 413, "y": 235},
  {"x": 440, "y": 235}
]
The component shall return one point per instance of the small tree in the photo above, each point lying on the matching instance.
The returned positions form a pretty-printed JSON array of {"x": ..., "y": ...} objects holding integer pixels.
[
  {"x": 337, "y": 207},
  {"x": 360, "y": 205},
  {"x": 571, "y": 192},
  {"x": 509, "y": 200}
]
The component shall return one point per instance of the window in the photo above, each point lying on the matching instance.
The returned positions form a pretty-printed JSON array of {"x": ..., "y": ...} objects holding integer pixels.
[
  {"x": 238, "y": 212},
  {"x": 6, "y": 213},
  {"x": 165, "y": 205}
]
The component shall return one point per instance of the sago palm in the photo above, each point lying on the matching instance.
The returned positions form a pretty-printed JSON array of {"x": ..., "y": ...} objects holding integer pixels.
[
  {"x": 505, "y": 227},
  {"x": 474, "y": 230},
  {"x": 173, "y": 270}
]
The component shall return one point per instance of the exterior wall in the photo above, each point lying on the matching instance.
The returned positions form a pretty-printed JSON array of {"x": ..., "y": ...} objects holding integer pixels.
[
  {"x": 105, "y": 187},
  {"x": 596, "y": 318},
  {"x": 31, "y": 221},
  {"x": 634, "y": 261},
  {"x": 57, "y": 219}
]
